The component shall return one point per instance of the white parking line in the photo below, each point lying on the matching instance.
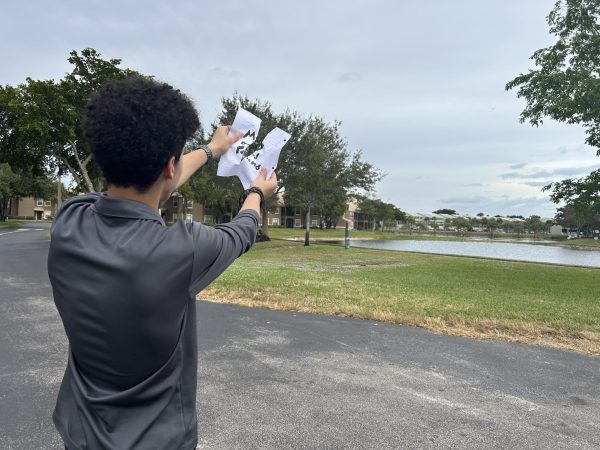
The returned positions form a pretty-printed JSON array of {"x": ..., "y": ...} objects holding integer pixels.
[{"x": 19, "y": 230}]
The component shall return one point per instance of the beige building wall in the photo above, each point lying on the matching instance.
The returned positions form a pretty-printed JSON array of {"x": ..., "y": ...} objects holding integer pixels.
[{"x": 36, "y": 208}]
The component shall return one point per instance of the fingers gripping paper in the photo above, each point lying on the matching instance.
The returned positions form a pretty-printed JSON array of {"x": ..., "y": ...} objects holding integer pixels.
[{"x": 234, "y": 162}]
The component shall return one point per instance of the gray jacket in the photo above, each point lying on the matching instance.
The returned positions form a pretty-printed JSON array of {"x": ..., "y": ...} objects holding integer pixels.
[{"x": 125, "y": 286}]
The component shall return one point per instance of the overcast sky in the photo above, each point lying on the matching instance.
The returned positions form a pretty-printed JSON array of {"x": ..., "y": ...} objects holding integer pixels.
[{"x": 419, "y": 86}]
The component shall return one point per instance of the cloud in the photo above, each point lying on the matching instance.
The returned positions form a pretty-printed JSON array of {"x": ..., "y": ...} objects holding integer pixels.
[
  {"x": 472, "y": 185},
  {"x": 466, "y": 200},
  {"x": 517, "y": 166},
  {"x": 537, "y": 183},
  {"x": 516, "y": 175},
  {"x": 574, "y": 171},
  {"x": 350, "y": 77},
  {"x": 562, "y": 172},
  {"x": 222, "y": 72},
  {"x": 504, "y": 205}
]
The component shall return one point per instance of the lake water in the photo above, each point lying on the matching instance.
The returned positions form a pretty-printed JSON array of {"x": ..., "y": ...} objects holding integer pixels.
[{"x": 497, "y": 250}]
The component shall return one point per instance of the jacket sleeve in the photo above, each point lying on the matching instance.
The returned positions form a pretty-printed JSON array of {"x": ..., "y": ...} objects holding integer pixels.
[{"x": 216, "y": 248}]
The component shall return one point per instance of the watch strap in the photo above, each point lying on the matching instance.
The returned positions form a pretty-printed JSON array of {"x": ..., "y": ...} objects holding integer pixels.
[{"x": 208, "y": 151}]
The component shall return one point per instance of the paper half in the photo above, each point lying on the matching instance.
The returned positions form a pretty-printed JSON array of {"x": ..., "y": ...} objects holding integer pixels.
[
  {"x": 247, "y": 124},
  {"x": 247, "y": 168}
]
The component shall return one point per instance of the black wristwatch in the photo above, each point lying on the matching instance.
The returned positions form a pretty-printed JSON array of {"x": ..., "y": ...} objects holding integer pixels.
[
  {"x": 208, "y": 151},
  {"x": 248, "y": 191}
]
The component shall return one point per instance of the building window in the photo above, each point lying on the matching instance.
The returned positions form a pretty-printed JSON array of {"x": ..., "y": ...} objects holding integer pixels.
[
  {"x": 208, "y": 218},
  {"x": 313, "y": 223},
  {"x": 47, "y": 203},
  {"x": 274, "y": 221},
  {"x": 189, "y": 218},
  {"x": 175, "y": 202},
  {"x": 39, "y": 203},
  {"x": 297, "y": 223},
  {"x": 175, "y": 217},
  {"x": 190, "y": 204}
]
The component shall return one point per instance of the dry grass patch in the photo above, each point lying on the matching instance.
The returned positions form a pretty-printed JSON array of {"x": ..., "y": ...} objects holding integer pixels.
[{"x": 520, "y": 332}]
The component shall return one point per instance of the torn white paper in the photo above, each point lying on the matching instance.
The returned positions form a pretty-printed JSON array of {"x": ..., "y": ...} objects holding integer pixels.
[
  {"x": 247, "y": 124},
  {"x": 247, "y": 168}
]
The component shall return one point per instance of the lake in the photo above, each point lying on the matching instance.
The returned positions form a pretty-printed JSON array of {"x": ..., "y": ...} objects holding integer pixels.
[{"x": 497, "y": 250}]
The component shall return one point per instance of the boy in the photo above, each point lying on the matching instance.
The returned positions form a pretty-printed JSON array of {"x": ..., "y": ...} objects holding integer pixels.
[{"x": 125, "y": 284}]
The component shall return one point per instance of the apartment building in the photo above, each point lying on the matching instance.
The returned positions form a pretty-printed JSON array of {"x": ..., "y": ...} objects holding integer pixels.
[{"x": 32, "y": 208}]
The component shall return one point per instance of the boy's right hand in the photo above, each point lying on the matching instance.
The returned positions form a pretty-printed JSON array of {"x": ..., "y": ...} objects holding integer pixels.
[
  {"x": 268, "y": 187},
  {"x": 222, "y": 140}
]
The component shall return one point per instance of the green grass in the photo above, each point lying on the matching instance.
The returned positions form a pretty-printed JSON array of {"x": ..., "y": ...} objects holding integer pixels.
[
  {"x": 550, "y": 305},
  {"x": 10, "y": 223},
  {"x": 579, "y": 243},
  {"x": 338, "y": 233}
]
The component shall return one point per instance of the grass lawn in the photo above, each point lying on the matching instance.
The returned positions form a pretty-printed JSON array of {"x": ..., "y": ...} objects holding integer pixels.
[
  {"x": 10, "y": 223},
  {"x": 534, "y": 303},
  {"x": 580, "y": 243},
  {"x": 338, "y": 233}
]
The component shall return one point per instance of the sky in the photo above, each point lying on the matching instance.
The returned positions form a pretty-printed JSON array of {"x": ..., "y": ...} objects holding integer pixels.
[{"x": 418, "y": 86}]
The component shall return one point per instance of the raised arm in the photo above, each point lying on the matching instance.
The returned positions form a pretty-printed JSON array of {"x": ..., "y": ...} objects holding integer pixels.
[
  {"x": 219, "y": 144},
  {"x": 216, "y": 248}
]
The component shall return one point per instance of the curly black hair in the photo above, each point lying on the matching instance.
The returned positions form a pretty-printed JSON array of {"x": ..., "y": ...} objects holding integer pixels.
[{"x": 134, "y": 126}]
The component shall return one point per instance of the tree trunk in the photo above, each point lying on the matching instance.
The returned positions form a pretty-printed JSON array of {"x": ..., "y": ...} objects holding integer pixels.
[
  {"x": 265, "y": 222},
  {"x": 307, "y": 228},
  {"x": 83, "y": 167},
  {"x": 87, "y": 179},
  {"x": 59, "y": 194},
  {"x": 3, "y": 208}
]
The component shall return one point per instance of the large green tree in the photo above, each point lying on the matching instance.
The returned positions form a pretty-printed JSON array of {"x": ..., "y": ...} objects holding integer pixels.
[
  {"x": 39, "y": 120},
  {"x": 565, "y": 86},
  {"x": 320, "y": 167},
  {"x": 221, "y": 194}
]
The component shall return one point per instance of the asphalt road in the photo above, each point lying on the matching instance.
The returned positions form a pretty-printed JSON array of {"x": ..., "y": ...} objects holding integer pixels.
[{"x": 287, "y": 380}]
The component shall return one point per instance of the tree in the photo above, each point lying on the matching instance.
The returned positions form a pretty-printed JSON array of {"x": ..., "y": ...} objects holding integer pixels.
[
  {"x": 221, "y": 194},
  {"x": 434, "y": 226},
  {"x": 410, "y": 223},
  {"x": 14, "y": 185},
  {"x": 320, "y": 167},
  {"x": 492, "y": 225},
  {"x": 39, "y": 120},
  {"x": 566, "y": 84},
  {"x": 518, "y": 228},
  {"x": 8, "y": 182},
  {"x": 380, "y": 213},
  {"x": 461, "y": 224},
  {"x": 534, "y": 224},
  {"x": 445, "y": 211},
  {"x": 581, "y": 195},
  {"x": 331, "y": 208}
]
